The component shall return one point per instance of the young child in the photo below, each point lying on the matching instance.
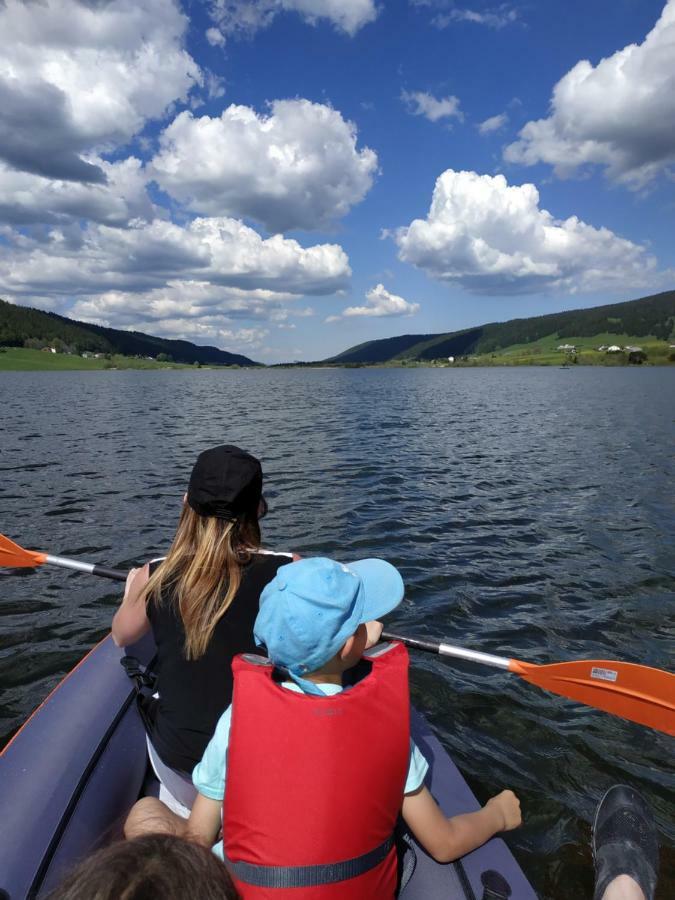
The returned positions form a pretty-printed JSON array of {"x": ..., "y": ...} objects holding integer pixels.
[{"x": 310, "y": 778}]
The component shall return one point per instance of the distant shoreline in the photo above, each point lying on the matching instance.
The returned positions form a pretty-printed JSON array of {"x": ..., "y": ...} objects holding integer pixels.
[{"x": 17, "y": 359}]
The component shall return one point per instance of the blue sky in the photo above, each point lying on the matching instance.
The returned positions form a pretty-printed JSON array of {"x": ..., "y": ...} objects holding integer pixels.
[{"x": 287, "y": 178}]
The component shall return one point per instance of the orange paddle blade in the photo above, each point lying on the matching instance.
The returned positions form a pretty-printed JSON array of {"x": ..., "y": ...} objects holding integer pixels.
[
  {"x": 634, "y": 692},
  {"x": 15, "y": 557}
]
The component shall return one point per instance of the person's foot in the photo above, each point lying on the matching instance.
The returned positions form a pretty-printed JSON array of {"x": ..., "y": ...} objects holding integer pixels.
[{"x": 624, "y": 841}]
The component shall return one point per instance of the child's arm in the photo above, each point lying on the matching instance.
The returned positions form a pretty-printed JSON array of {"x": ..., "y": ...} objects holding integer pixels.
[
  {"x": 447, "y": 839},
  {"x": 204, "y": 822}
]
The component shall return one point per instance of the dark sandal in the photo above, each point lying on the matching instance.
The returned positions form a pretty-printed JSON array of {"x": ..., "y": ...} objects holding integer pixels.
[{"x": 625, "y": 841}]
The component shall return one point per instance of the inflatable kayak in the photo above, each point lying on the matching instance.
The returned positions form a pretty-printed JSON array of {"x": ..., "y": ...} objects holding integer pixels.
[{"x": 70, "y": 775}]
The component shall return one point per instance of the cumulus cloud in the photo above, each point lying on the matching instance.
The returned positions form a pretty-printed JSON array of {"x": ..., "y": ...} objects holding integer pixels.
[
  {"x": 420, "y": 103},
  {"x": 248, "y": 16},
  {"x": 493, "y": 238},
  {"x": 297, "y": 167},
  {"x": 619, "y": 114},
  {"x": 494, "y": 123},
  {"x": 76, "y": 77},
  {"x": 27, "y": 199},
  {"x": 379, "y": 302},
  {"x": 163, "y": 278},
  {"x": 218, "y": 250},
  {"x": 496, "y": 17}
]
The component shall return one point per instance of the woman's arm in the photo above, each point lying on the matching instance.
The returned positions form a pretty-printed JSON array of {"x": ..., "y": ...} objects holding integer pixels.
[
  {"x": 447, "y": 839},
  {"x": 130, "y": 622}
]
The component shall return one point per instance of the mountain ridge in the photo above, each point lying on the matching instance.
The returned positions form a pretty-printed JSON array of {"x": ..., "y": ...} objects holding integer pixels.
[
  {"x": 653, "y": 315},
  {"x": 21, "y": 323}
]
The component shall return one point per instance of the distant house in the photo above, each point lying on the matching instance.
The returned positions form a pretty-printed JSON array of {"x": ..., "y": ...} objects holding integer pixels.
[
  {"x": 566, "y": 347},
  {"x": 633, "y": 349},
  {"x": 602, "y": 348},
  {"x": 614, "y": 349},
  {"x": 451, "y": 359},
  {"x": 49, "y": 349}
]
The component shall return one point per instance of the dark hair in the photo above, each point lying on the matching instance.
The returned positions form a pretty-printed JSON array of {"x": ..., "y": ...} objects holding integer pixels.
[{"x": 154, "y": 867}]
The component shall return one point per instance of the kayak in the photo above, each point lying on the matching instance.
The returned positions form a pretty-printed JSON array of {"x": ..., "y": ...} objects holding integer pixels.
[{"x": 72, "y": 772}]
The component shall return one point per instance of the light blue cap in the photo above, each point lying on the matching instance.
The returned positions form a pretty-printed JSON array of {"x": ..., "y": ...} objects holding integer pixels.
[{"x": 312, "y": 606}]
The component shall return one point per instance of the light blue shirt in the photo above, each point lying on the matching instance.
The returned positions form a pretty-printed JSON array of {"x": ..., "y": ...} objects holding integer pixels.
[{"x": 209, "y": 774}]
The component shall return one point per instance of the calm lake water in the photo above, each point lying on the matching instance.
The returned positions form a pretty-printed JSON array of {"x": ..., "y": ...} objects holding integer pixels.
[{"x": 530, "y": 511}]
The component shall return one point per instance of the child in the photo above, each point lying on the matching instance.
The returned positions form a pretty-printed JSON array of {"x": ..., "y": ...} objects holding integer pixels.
[
  {"x": 156, "y": 867},
  {"x": 317, "y": 776}
]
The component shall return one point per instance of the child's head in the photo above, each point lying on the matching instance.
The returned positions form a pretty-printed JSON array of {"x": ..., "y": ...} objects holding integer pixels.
[
  {"x": 155, "y": 867},
  {"x": 313, "y": 612}
]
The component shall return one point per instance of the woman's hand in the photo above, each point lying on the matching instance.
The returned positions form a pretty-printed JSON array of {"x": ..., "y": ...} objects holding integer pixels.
[{"x": 374, "y": 629}]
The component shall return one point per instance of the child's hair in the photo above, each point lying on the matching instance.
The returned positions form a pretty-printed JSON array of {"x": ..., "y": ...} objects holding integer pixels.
[
  {"x": 154, "y": 867},
  {"x": 202, "y": 571}
]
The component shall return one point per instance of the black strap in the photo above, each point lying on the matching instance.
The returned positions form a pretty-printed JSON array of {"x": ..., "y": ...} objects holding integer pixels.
[
  {"x": 144, "y": 681},
  {"x": 309, "y": 876}
]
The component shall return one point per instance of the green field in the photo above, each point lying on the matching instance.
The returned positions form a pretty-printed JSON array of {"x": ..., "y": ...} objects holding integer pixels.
[
  {"x": 18, "y": 359},
  {"x": 544, "y": 353}
]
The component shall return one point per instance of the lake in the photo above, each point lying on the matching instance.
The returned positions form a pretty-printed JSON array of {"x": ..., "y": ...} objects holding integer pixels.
[{"x": 531, "y": 512}]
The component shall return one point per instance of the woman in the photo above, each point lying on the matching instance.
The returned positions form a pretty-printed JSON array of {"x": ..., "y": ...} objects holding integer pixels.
[{"x": 201, "y": 602}]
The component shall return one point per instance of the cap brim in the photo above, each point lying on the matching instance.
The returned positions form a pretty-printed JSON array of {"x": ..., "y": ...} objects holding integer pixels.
[{"x": 383, "y": 587}]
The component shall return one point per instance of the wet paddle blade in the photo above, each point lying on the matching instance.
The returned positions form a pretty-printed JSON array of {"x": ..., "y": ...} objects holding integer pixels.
[
  {"x": 638, "y": 693},
  {"x": 14, "y": 557}
]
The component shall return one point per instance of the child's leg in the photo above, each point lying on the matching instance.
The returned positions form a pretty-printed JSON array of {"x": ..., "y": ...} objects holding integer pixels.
[{"x": 151, "y": 816}]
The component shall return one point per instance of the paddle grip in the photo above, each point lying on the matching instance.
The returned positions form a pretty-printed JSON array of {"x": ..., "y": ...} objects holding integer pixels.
[
  {"x": 417, "y": 643},
  {"x": 114, "y": 574}
]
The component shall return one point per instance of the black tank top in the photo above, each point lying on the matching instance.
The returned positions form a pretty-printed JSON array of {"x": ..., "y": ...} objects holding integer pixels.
[{"x": 194, "y": 693}]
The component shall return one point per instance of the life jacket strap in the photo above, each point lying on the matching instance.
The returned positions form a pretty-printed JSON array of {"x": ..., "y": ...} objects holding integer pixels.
[{"x": 309, "y": 876}]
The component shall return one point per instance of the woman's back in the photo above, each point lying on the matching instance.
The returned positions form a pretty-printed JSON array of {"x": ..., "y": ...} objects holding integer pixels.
[{"x": 194, "y": 692}]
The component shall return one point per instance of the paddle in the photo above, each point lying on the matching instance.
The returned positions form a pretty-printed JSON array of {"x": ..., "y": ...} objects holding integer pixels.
[
  {"x": 15, "y": 557},
  {"x": 638, "y": 693}
]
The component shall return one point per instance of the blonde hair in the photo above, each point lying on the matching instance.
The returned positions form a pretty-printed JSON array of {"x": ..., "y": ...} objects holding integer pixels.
[{"x": 202, "y": 572}]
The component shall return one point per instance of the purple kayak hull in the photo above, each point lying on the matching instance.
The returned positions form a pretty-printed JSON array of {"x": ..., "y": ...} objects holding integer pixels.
[{"x": 70, "y": 775}]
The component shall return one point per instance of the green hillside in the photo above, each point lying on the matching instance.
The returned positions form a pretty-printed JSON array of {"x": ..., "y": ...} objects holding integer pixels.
[
  {"x": 22, "y": 326},
  {"x": 649, "y": 319}
]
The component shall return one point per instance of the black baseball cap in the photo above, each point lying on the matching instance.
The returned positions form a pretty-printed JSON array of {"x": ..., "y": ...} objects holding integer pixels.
[{"x": 225, "y": 482}]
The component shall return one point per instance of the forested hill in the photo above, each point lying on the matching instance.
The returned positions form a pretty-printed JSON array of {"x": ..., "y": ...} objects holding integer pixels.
[
  {"x": 23, "y": 326},
  {"x": 649, "y": 316}
]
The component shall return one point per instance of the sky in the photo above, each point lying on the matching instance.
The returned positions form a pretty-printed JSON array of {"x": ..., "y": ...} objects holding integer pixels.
[{"x": 288, "y": 178}]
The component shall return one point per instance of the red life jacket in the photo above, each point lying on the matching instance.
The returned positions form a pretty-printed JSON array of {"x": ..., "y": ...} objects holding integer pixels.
[{"x": 315, "y": 784}]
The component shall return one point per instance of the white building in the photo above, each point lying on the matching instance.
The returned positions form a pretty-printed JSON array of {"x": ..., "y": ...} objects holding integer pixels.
[{"x": 614, "y": 349}]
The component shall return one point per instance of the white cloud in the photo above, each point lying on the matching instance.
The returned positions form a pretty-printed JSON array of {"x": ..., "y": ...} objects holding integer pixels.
[
  {"x": 492, "y": 238},
  {"x": 420, "y": 103},
  {"x": 494, "y": 123},
  {"x": 379, "y": 302},
  {"x": 496, "y": 17},
  {"x": 215, "y": 37},
  {"x": 29, "y": 199},
  {"x": 77, "y": 77},
  {"x": 297, "y": 167},
  {"x": 619, "y": 114},
  {"x": 147, "y": 255},
  {"x": 248, "y": 16}
]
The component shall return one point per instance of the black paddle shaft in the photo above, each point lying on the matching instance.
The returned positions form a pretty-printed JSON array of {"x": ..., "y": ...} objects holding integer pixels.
[{"x": 416, "y": 643}]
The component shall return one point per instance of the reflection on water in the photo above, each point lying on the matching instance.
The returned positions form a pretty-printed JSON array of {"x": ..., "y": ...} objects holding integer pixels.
[{"x": 530, "y": 512}]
